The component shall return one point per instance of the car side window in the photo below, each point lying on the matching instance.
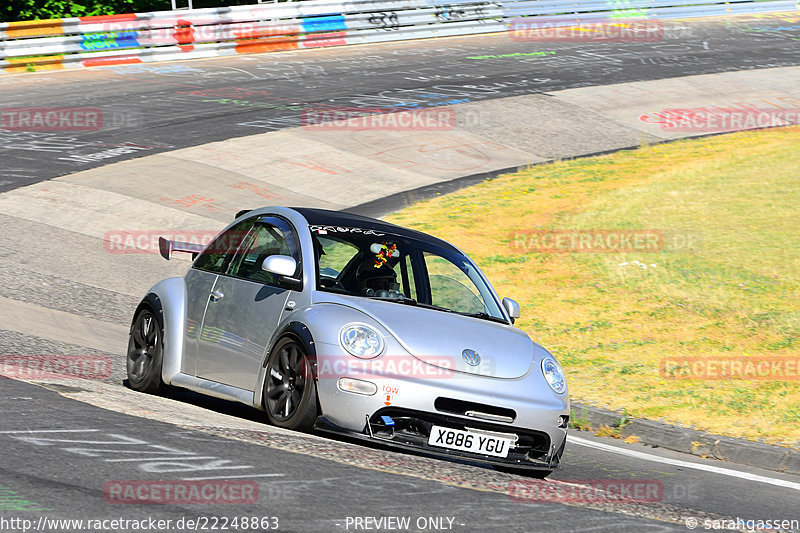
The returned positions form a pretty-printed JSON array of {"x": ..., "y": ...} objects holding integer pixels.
[
  {"x": 264, "y": 240},
  {"x": 334, "y": 256},
  {"x": 218, "y": 254}
]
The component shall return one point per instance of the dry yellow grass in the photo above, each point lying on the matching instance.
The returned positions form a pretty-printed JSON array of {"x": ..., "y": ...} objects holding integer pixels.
[{"x": 726, "y": 284}]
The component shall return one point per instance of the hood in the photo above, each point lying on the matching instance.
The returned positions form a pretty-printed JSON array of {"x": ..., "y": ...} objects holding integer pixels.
[{"x": 440, "y": 338}]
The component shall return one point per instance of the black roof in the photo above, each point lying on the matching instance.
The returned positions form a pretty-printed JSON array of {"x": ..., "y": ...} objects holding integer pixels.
[{"x": 325, "y": 217}]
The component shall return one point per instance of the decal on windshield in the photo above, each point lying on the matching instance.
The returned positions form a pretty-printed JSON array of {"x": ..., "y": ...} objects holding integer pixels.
[{"x": 322, "y": 230}]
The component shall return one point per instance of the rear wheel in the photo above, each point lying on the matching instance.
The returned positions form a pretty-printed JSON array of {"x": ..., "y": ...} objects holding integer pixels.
[
  {"x": 290, "y": 394},
  {"x": 145, "y": 353}
]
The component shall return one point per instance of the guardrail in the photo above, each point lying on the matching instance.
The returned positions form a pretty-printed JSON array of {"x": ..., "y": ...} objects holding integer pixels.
[
  {"x": 591, "y": 10},
  {"x": 188, "y": 34}
]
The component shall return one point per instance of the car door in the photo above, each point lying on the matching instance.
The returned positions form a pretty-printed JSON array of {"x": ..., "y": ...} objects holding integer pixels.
[
  {"x": 200, "y": 280},
  {"x": 246, "y": 306}
]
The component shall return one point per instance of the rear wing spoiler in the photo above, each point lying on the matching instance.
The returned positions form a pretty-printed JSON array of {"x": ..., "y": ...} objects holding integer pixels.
[{"x": 166, "y": 248}]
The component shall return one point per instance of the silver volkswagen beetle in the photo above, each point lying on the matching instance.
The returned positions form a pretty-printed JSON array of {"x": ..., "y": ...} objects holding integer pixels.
[{"x": 341, "y": 323}]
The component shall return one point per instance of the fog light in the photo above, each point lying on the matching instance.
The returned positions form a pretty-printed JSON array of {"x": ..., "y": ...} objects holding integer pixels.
[
  {"x": 358, "y": 386},
  {"x": 563, "y": 421}
]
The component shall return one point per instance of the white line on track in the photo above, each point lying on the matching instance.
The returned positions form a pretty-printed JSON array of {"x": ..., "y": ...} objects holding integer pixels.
[
  {"x": 685, "y": 464},
  {"x": 187, "y": 455},
  {"x": 231, "y": 477},
  {"x": 51, "y": 431}
]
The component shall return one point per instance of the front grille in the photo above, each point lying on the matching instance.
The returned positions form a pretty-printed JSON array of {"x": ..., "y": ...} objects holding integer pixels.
[
  {"x": 475, "y": 410},
  {"x": 414, "y": 427}
]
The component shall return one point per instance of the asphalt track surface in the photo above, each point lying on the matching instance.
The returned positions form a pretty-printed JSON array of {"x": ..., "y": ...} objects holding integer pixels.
[
  {"x": 313, "y": 487},
  {"x": 150, "y": 108},
  {"x": 310, "y": 483}
]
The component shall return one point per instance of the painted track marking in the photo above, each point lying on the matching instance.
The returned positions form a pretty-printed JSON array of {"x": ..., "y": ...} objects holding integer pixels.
[{"x": 685, "y": 464}]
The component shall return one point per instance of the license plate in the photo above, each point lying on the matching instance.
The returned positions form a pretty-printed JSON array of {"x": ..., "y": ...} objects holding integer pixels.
[{"x": 466, "y": 441}]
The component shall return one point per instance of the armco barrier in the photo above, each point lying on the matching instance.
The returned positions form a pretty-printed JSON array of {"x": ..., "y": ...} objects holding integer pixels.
[
  {"x": 142, "y": 37},
  {"x": 593, "y": 10},
  {"x": 188, "y": 34}
]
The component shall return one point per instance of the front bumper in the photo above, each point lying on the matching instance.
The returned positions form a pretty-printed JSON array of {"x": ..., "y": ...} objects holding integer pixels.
[
  {"x": 533, "y": 450},
  {"x": 525, "y": 407}
]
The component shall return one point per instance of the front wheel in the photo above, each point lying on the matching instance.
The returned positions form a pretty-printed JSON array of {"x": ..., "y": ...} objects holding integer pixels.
[
  {"x": 145, "y": 353},
  {"x": 290, "y": 394}
]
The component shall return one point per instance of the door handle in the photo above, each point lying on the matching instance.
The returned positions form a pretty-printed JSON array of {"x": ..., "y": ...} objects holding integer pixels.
[{"x": 216, "y": 295}]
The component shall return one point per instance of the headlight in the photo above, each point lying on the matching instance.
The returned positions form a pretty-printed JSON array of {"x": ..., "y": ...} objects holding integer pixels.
[
  {"x": 553, "y": 374},
  {"x": 361, "y": 340}
]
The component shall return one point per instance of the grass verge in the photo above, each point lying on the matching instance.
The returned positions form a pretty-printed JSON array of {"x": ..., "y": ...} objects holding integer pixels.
[{"x": 725, "y": 282}]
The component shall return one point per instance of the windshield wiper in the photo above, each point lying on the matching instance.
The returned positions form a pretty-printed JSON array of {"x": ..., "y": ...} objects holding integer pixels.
[
  {"x": 410, "y": 301},
  {"x": 486, "y": 316},
  {"x": 398, "y": 299}
]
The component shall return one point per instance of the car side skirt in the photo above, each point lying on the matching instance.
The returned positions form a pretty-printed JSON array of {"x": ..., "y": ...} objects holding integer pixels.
[{"x": 212, "y": 388}]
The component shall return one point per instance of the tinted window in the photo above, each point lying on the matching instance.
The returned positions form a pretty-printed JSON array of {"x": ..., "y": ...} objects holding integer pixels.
[
  {"x": 333, "y": 256},
  {"x": 262, "y": 242},
  {"x": 219, "y": 252},
  {"x": 270, "y": 236}
]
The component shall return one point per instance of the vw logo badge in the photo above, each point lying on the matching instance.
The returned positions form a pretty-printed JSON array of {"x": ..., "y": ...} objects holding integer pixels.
[{"x": 471, "y": 357}]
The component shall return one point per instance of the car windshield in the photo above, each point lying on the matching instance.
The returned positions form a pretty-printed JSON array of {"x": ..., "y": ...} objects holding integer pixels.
[{"x": 366, "y": 263}]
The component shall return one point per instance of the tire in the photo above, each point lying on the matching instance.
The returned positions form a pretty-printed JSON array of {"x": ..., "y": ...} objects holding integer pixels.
[
  {"x": 145, "y": 353},
  {"x": 290, "y": 394}
]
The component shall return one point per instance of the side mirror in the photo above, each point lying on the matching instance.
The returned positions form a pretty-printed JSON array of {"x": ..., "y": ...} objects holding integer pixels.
[
  {"x": 511, "y": 307},
  {"x": 281, "y": 265}
]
